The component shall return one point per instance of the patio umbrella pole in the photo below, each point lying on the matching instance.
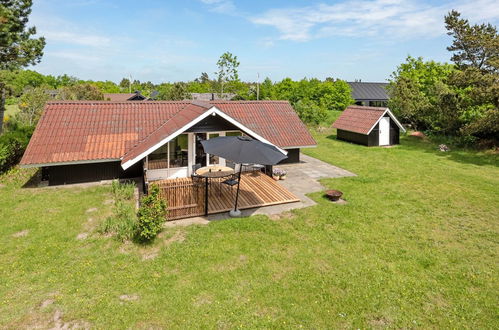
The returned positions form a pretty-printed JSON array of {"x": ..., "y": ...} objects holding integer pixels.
[
  {"x": 241, "y": 150},
  {"x": 236, "y": 212}
]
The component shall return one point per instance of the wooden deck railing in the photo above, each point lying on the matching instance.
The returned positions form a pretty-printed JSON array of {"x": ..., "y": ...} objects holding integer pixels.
[{"x": 185, "y": 197}]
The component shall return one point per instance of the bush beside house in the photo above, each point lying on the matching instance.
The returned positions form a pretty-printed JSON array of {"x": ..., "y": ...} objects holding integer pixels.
[
  {"x": 151, "y": 215},
  {"x": 12, "y": 145}
]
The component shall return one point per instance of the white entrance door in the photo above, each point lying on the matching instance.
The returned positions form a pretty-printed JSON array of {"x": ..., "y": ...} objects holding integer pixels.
[{"x": 384, "y": 131}]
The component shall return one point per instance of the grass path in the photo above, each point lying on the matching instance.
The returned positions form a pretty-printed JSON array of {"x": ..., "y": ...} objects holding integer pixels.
[{"x": 416, "y": 246}]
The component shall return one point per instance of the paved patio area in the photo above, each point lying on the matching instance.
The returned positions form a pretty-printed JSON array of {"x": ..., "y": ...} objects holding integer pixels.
[{"x": 302, "y": 178}]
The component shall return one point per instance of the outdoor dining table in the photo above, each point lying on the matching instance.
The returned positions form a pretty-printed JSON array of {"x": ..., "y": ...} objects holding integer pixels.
[{"x": 212, "y": 172}]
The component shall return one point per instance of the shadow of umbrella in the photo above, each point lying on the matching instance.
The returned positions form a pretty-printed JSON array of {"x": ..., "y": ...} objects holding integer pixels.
[{"x": 243, "y": 150}]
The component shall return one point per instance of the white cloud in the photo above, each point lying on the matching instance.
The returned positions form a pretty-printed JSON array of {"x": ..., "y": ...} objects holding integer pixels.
[
  {"x": 388, "y": 18},
  {"x": 74, "y": 56},
  {"x": 221, "y": 6},
  {"x": 76, "y": 38}
]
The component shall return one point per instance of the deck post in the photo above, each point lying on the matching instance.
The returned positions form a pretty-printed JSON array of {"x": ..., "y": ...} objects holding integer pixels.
[{"x": 206, "y": 196}]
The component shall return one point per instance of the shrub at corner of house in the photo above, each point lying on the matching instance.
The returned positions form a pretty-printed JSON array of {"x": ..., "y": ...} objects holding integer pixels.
[
  {"x": 151, "y": 215},
  {"x": 13, "y": 142}
]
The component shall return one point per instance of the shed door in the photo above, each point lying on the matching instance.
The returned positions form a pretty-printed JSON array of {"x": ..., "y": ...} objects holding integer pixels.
[{"x": 384, "y": 131}]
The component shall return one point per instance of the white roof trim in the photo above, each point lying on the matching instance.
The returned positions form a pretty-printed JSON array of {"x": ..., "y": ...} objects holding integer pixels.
[
  {"x": 212, "y": 110},
  {"x": 77, "y": 162},
  {"x": 391, "y": 116},
  {"x": 300, "y": 147}
]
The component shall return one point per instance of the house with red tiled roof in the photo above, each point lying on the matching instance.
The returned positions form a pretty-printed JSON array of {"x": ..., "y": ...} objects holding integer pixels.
[
  {"x": 124, "y": 97},
  {"x": 81, "y": 141},
  {"x": 370, "y": 126}
]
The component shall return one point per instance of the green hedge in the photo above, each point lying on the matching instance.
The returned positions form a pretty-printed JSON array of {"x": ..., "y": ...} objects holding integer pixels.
[{"x": 13, "y": 143}]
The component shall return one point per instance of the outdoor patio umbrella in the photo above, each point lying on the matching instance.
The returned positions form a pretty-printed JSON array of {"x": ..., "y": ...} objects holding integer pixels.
[{"x": 242, "y": 150}]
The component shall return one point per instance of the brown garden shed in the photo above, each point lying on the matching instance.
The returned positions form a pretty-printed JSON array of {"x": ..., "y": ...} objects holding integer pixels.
[{"x": 370, "y": 126}]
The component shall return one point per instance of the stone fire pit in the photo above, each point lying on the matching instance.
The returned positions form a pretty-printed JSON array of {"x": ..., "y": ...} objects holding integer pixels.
[{"x": 333, "y": 195}]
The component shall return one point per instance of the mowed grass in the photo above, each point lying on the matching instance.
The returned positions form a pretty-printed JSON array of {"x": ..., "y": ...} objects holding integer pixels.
[{"x": 416, "y": 246}]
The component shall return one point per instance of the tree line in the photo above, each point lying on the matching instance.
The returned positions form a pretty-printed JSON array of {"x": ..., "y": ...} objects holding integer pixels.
[
  {"x": 459, "y": 99},
  {"x": 312, "y": 98}
]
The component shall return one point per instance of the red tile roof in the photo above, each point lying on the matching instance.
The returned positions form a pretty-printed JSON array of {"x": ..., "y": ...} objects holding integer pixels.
[
  {"x": 359, "y": 119},
  {"x": 276, "y": 121},
  {"x": 179, "y": 120},
  {"x": 72, "y": 131}
]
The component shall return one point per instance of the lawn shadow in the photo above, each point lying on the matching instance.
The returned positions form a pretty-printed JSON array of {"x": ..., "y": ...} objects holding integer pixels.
[
  {"x": 465, "y": 156},
  {"x": 332, "y": 137},
  {"x": 34, "y": 180}
]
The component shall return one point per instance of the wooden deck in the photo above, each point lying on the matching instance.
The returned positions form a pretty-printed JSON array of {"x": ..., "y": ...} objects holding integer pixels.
[{"x": 186, "y": 197}]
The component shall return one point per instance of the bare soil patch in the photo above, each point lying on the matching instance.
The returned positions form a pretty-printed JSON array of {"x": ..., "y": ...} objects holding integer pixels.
[
  {"x": 152, "y": 252},
  {"x": 179, "y": 236},
  {"x": 21, "y": 233},
  {"x": 283, "y": 215},
  {"x": 380, "y": 322},
  {"x": 129, "y": 297},
  {"x": 203, "y": 299},
  {"x": 82, "y": 236},
  {"x": 232, "y": 265},
  {"x": 47, "y": 303}
]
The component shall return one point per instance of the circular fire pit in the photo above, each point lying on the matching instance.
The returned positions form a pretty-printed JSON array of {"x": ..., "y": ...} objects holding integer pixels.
[{"x": 333, "y": 195}]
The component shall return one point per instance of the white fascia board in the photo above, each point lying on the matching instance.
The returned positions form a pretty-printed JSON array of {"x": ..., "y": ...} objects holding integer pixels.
[
  {"x": 391, "y": 116},
  {"x": 301, "y": 147},
  {"x": 72, "y": 163},
  {"x": 132, "y": 161},
  {"x": 211, "y": 111},
  {"x": 395, "y": 120}
]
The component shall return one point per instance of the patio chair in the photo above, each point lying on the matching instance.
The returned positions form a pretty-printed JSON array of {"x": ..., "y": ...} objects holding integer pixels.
[
  {"x": 195, "y": 167},
  {"x": 231, "y": 181}
]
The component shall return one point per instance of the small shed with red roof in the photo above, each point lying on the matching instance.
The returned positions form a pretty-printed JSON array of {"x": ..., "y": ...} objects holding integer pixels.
[{"x": 370, "y": 126}]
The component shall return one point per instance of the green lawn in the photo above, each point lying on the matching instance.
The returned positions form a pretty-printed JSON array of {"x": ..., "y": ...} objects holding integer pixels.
[{"x": 415, "y": 247}]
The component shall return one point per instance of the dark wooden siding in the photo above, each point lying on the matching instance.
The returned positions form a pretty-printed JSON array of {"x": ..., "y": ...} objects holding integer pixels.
[
  {"x": 394, "y": 133},
  {"x": 66, "y": 174},
  {"x": 373, "y": 137},
  {"x": 212, "y": 124},
  {"x": 293, "y": 156},
  {"x": 352, "y": 137}
]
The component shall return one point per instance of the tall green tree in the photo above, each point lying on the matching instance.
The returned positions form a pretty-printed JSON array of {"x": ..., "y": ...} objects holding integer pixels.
[
  {"x": 204, "y": 78},
  {"x": 178, "y": 92},
  {"x": 475, "y": 46},
  {"x": 415, "y": 89},
  {"x": 31, "y": 105},
  {"x": 227, "y": 70},
  {"x": 125, "y": 84},
  {"x": 83, "y": 91},
  {"x": 18, "y": 48},
  {"x": 475, "y": 51}
]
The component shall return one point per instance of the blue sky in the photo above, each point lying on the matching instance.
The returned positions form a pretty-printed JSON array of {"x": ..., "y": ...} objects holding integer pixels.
[{"x": 177, "y": 40}]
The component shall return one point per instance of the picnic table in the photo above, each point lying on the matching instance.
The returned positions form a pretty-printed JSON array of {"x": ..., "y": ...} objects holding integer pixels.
[{"x": 212, "y": 172}]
